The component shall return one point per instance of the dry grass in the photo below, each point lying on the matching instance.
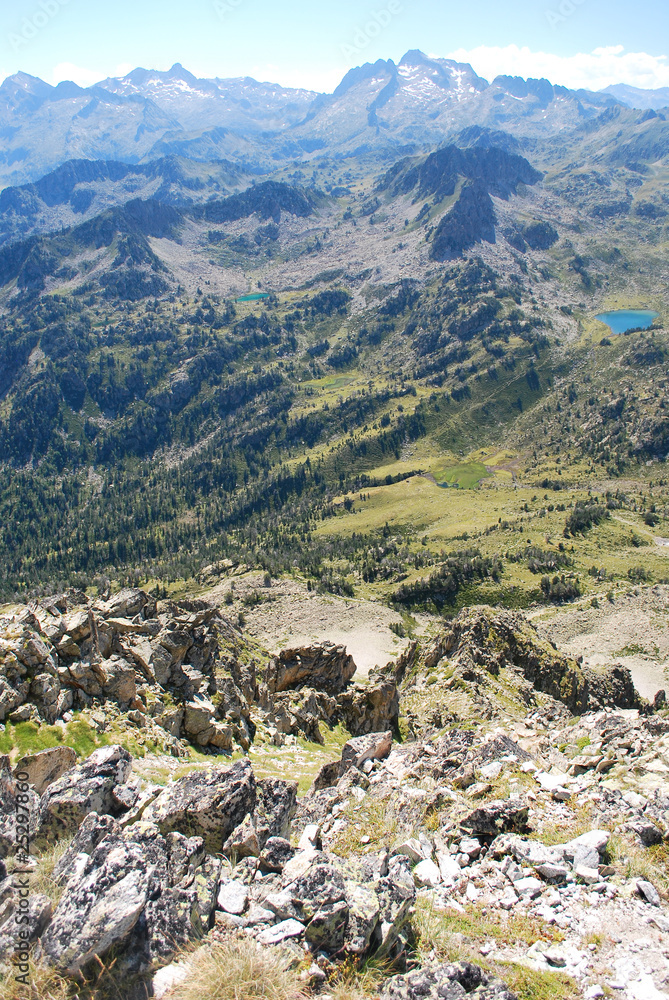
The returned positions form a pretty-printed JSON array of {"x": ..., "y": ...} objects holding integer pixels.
[
  {"x": 371, "y": 818},
  {"x": 455, "y": 936},
  {"x": 41, "y": 880},
  {"x": 445, "y": 932},
  {"x": 239, "y": 970},
  {"x": 44, "y": 984},
  {"x": 531, "y": 984},
  {"x": 354, "y": 980},
  {"x": 632, "y": 861}
]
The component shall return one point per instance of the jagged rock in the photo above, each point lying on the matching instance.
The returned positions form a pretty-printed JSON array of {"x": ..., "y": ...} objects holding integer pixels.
[
  {"x": 648, "y": 892},
  {"x": 89, "y": 787},
  {"x": 92, "y": 831},
  {"x": 497, "y": 817},
  {"x": 324, "y": 666},
  {"x": 209, "y": 803},
  {"x": 373, "y": 707},
  {"x": 275, "y": 855},
  {"x": 130, "y": 602},
  {"x": 22, "y": 922},
  {"x": 355, "y": 752},
  {"x": 243, "y": 842},
  {"x": 363, "y": 916},
  {"x": 100, "y": 911},
  {"x": 396, "y": 895},
  {"x": 145, "y": 894},
  {"x": 47, "y": 766},
  {"x": 275, "y": 808},
  {"x": 320, "y": 895},
  {"x": 19, "y": 812},
  {"x": 481, "y": 641},
  {"x": 446, "y": 982},
  {"x": 327, "y": 775}
]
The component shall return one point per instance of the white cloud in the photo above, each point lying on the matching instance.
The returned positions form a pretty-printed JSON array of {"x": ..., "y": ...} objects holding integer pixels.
[{"x": 590, "y": 70}]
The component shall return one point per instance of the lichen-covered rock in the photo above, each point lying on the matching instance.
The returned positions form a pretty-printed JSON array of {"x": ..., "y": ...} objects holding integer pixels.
[
  {"x": 494, "y": 818},
  {"x": 446, "y": 982},
  {"x": 275, "y": 808},
  {"x": 101, "y": 910},
  {"x": 47, "y": 766},
  {"x": 87, "y": 788},
  {"x": 143, "y": 894},
  {"x": 19, "y": 812},
  {"x": 22, "y": 921},
  {"x": 209, "y": 804}
]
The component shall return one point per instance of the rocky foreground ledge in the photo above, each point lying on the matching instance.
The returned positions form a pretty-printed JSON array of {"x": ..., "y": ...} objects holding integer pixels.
[
  {"x": 513, "y": 843},
  {"x": 393, "y": 843}
]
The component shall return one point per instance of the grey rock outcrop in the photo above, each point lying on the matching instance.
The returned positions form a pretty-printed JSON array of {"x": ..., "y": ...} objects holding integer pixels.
[
  {"x": 175, "y": 664},
  {"x": 46, "y": 767},
  {"x": 210, "y": 804},
  {"x": 324, "y": 666},
  {"x": 446, "y": 982},
  {"x": 90, "y": 787}
]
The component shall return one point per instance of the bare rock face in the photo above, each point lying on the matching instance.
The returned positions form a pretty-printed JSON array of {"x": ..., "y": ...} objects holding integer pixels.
[
  {"x": 373, "y": 707},
  {"x": 323, "y": 666},
  {"x": 209, "y": 804},
  {"x": 46, "y": 767},
  {"x": 90, "y": 787}
]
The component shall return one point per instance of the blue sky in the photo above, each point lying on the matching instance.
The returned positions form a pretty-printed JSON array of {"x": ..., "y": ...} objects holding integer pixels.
[{"x": 574, "y": 42}]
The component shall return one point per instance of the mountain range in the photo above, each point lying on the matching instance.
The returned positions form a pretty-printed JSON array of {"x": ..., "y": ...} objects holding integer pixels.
[{"x": 381, "y": 108}]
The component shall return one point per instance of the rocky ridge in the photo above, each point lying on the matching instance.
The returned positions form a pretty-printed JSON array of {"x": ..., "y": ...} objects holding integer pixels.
[
  {"x": 178, "y": 672},
  {"x": 530, "y": 841}
]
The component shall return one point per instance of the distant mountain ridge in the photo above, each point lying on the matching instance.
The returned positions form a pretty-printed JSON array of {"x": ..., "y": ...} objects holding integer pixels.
[
  {"x": 635, "y": 97},
  {"x": 381, "y": 108}
]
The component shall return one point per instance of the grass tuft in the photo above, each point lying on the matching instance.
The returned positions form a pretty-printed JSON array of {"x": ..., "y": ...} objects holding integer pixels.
[{"x": 239, "y": 970}]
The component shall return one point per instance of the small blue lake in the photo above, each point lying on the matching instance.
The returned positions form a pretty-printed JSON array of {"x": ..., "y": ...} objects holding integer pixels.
[{"x": 622, "y": 320}]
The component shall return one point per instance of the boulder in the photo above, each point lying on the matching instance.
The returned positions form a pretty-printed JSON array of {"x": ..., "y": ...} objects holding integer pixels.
[
  {"x": 134, "y": 890},
  {"x": 98, "y": 912},
  {"x": 208, "y": 803},
  {"x": 46, "y": 767},
  {"x": 34, "y": 914},
  {"x": 19, "y": 812},
  {"x": 446, "y": 982},
  {"x": 497, "y": 817},
  {"x": 276, "y": 854},
  {"x": 87, "y": 788},
  {"x": 355, "y": 752}
]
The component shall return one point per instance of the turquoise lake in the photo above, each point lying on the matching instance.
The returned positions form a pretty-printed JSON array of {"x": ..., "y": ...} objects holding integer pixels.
[
  {"x": 622, "y": 320},
  {"x": 253, "y": 298}
]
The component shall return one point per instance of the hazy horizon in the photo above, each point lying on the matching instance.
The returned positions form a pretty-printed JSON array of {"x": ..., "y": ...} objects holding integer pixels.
[{"x": 574, "y": 43}]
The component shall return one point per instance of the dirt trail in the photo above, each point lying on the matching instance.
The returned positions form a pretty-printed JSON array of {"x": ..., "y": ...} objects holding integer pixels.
[{"x": 634, "y": 631}]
